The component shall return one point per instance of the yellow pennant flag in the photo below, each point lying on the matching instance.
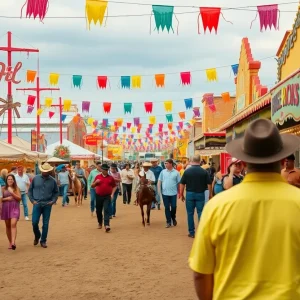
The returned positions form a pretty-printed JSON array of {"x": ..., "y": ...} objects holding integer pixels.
[
  {"x": 39, "y": 111},
  {"x": 133, "y": 129},
  {"x": 211, "y": 74},
  {"x": 119, "y": 122},
  {"x": 192, "y": 122},
  {"x": 112, "y": 128},
  {"x": 53, "y": 78},
  {"x": 168, "y": 106},
  {"x": 136, "y": 81},
  {"x": 67, "y": 105},
  {"x": 152, "y": 120},
  {"x": 95, "y": 11},
  {"x": 48, "y": 102},
  {"x": 90, "y": 121}
]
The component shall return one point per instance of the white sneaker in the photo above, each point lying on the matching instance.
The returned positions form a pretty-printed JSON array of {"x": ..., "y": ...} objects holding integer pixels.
[{"x": 27, "y": 219}]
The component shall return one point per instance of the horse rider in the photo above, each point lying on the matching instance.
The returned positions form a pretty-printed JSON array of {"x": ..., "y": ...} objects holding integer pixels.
[
  {"x": 80, "y": 174},
  {"x": 149, "y": 176}
]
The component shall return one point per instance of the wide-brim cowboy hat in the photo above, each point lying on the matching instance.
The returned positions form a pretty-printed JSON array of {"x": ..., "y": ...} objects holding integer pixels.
[
  {"x": 153, "y": 159},
  {"x": 45, "y": 168},
  {"x": 147, "y": 164},
  {"x": 263, "y": 144}
]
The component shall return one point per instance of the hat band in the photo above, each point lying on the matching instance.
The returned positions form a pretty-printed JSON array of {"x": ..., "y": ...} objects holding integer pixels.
[{"x": 263, "y": 153}]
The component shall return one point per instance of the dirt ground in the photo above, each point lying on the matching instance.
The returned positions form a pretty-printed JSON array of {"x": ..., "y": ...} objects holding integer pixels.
[{"x": 83, "y": 262}]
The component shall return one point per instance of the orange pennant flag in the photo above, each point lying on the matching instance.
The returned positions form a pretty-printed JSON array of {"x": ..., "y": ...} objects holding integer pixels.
[
  {"x": 182, "y": 115},
  {"x": 160, "y": 80},
  {"x": 226, "y": 96}
]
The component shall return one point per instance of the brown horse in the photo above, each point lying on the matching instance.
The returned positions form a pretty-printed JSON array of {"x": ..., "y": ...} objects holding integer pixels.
[
  {"x": 77, "y": 188},
  {"x": 145, "y": 197}
]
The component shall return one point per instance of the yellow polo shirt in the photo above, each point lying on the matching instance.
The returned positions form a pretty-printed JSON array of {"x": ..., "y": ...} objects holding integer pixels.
[{"x": 249, "y": 238}]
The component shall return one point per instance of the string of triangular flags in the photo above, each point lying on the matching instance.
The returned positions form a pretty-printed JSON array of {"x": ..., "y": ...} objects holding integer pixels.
[
  {"x": 131, "y": 82},
  {"x": 96, "y": 10}
]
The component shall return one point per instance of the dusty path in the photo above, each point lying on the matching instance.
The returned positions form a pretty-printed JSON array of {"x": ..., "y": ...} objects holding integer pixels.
[{"x": 83, "y": 262}]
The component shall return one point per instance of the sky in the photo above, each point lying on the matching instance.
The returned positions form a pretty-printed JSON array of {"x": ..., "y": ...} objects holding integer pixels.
[{"x": 126, "y": 47}]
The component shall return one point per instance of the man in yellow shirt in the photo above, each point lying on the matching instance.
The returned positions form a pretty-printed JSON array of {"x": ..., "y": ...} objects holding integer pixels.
[{"x": 248, "y": 242}]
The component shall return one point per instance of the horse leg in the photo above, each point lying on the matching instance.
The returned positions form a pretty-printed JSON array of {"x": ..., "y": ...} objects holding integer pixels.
[
  {"x": 148, "y": 212},
  {"x": 143, "y": 215}
]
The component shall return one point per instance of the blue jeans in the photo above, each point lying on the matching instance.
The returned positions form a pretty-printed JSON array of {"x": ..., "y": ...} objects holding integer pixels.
[
  {"x": 25, "y": 206},
  {"x": 194, "y": 201},
  {"x": 93, "y": 199},
  {"x": 206, "y": 193},
  {"x": 37, "y": 211},
  {"x": 113, "y": 205},
  {"x": 64, "y": 191},
  {"x": 170, "y": 203}
]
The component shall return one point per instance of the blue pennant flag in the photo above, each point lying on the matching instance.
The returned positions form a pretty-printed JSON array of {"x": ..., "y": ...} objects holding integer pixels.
[
  {"x": 235, "y": 69},
  {"x": 188, "y": 103}
]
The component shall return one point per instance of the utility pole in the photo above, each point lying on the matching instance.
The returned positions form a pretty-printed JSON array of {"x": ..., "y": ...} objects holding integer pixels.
[
  {"x": 9, "y": 49},
  {"x": 38, "y": 89}
]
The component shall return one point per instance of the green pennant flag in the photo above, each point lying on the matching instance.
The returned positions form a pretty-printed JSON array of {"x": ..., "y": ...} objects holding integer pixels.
[
  {"x": 77, "y": 80},
  {"x": 169, "y": 118},
  {"x": 127, "y": 108},
  {"x": 163, "y": 15}
]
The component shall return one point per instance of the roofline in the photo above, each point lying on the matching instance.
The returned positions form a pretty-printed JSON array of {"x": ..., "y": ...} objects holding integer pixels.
[{"x": 286, "y": 35}]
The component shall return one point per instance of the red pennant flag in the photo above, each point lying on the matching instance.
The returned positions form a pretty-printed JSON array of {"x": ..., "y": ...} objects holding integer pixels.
[
  {"x": 31, "y": 100},
  {"x": 102, "y": 82},
  {"x": 148, "y": 107},
  {"x": 180, "y": 124},
  {"x": 107, "y": 107},
  {"x": 210, "y": 18},
  {"x": 51, "y": 114},
  {"x": 185, "y": 78},
  {"x": 128, "y": 125}
]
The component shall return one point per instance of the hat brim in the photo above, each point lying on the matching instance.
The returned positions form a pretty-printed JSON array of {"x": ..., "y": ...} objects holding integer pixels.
[
  {"x": 290, "y": 145},
  {"x": 105, "y": 169},
  {"x": 46, "y": 171}
]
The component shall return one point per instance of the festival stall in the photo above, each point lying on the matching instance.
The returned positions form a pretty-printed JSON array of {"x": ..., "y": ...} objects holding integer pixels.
[{"x": 19, "y": 142}]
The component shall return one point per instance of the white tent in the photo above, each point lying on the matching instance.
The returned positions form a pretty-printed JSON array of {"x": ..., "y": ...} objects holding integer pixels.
[
  {"x": 76, "y": 151},
  {"x": 56, "y": 160},
  {"x": 19, "y": 142}
]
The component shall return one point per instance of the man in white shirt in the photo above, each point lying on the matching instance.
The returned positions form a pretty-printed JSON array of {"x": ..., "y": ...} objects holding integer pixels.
[
  {"x": 23, "y": 183},
  {"x": 127, "y": 177}
]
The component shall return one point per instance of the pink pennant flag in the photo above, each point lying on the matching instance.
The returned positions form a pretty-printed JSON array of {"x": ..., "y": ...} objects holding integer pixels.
[
  {"x": 30, "y": 109},
  {"x": 128, "y": 125},
  {"x": 51, "y": 114},
  {"x": 180, "y": 124},
  {"x": 268, "y": 16},
  {"x": 185, "y": 78}
]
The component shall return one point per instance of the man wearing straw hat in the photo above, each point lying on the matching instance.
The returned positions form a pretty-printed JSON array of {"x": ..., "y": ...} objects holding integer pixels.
[
  {"x": 43, "y": 193},
  {"x": 247, "y": 244}
]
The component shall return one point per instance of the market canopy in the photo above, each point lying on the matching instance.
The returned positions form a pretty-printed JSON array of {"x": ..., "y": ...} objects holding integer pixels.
[
  {"x": 55, "y": 160},
  {"x": 76, "y": 151},
  {"x": 19, "y": 142}
]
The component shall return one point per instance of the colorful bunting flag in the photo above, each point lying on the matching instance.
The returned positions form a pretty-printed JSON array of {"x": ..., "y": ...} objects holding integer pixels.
[
  {"x": 104, "y": 123},
  {"x": 31, "y": 100},
  {"x": 102, "y": 82},
  {"x": 169, "y": 118},
  {"x": 180, "y": 124},
  {"x": 30, "y": 76},
  {"x": 63, "y": 117},
  {"x": 268, "y": 16},
  {"x": 160, "y": 80},
  {"x": 77, "y": 81},
  {"x": 36, "y": 8},
  {"x": 67, "y": 105},
  {"x": 133, "y": 129},
  {"x": 163, "y": 16},
  {"x": 95, "y": 11},
  {"x": 136, "y": 121},
  {"x": 124, "y": 128},
  {"x": 125, "y": 82},
  {"x": 185, "y": 78},
  {"x": 212, "y": 108},
  {"x": 235, "y": 69},
  {"x": 168, "y": 106},
  {"x": 182, "y": 115},
  {"x": 226, "y": 96},
  {"x": 128, "y": 125},
  {"x": 90, "y": 121},
  {"x": 30, "y": 109},
  {"x": 170, "y": 126},
  {"x": 53, "y": 78},
  {"x": 86, "y": 106},
  {"x": 211, "y": 74},
  {"x": 136, "y": 81},
  {"x": 148, "y": 107},
  {"x": 39, "y": 111},
  {"x": 48, "y": 102},
  {"x": 210, "y": 18},
  {"x": 196, "y": 111},
  {"x": 127, "y": 108},
  {"x": 188, "y": 103},
  {"x": 152, "y": 120},
  {"x": 51, "y": 114},
  {"x": 107, "y": 107}
]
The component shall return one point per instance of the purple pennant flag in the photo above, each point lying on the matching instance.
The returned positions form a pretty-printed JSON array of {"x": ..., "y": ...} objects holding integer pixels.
[
  {"x": 124, "y": 128},
  {"x": 86, "y": 106},
  {"x": 105, "y": 122},
  {"x": 209, "y": 99},
  {"x": 196, "y": 111},
  {"x": 136, "y": 121},
  {"x": 30, "y": 109}
]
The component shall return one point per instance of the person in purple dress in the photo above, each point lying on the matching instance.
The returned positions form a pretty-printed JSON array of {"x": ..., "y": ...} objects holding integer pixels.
[{"x": 11, "y": 197}]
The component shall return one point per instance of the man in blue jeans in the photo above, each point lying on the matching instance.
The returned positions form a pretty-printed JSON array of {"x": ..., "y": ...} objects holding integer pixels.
[
  {"x": 63, "y": 183},
  {"x": 42, "y": 193},
  {"x": 196, "y": 180},
  {"x": 168, "y": 182},
  {"x": 90, "y": 180}
]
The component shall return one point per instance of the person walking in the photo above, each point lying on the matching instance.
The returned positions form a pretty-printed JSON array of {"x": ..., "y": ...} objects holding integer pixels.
[
  {"x": 10, "y": 196},
  {"x": 92, "y": 191},
  {"x": 42, "y": 193},
  {"x": 117, "y": 177},
  {"x": 105, "y": 187},
  {"x": 63, "y": 183},
  {"x": 156, "y": 169},
  {"x": 247, "y": 244},
  {"x": 196, "y": 181},
  {"x": 290, "y": 173},
  {"x": 127, "y": 177},
  {"x": 80, "y": 173},
  {"x": 168, "y": 182},
  {"x": 23, "y": 183}
]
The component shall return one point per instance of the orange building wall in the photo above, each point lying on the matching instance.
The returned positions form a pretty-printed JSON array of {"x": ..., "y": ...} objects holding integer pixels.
[
  {"x": 76, "y": 132},
  {"x": 224, "y": 111}
]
